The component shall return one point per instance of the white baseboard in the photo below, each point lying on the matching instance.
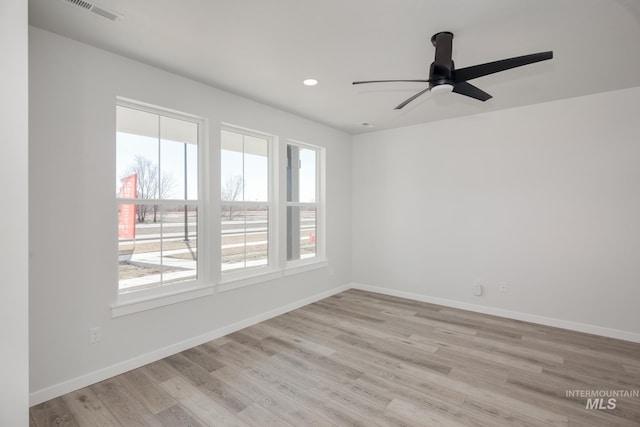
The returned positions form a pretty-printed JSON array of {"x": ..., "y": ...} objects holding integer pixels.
[
  {"x": 56, "y": 390},
  {"x": 548, "y": 321}
]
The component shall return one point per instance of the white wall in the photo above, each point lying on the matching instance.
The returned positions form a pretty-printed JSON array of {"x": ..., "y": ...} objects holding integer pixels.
[
  {"x": 14, "y": 282},
  {"x": 73, "y": 214},
  {"x": 545, "y": 198}
]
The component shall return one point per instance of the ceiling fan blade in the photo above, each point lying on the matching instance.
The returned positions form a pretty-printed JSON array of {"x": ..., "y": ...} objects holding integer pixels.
[
  {"x": 467, "y": 89},
  {"x": 401, "y": 106},
  {"x": 389, "y": 81},
  {"x": 475, "y": 71}
]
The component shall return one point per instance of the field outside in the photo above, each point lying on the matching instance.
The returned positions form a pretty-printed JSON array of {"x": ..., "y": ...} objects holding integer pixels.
[{"x": 160, "y": 254}]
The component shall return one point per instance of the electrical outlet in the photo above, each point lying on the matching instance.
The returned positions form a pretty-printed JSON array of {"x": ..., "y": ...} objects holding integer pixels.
[
  {"x": 504, "y": 287},
  {"x": 477, "y": 289},
  {"x": 94, "y": 335}
]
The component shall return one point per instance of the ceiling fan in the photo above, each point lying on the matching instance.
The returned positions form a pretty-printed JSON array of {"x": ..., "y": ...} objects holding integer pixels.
[{"x": 443, "y": 77}]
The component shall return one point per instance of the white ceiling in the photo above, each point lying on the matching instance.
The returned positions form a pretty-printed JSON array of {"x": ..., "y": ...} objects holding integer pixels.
[{"x": 264, "y": 49}]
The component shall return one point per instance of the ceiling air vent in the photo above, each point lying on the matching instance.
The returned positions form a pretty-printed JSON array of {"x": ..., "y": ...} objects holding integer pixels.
[
  {"x": 111, "y": 16},
  {"x": 105, "y": 13},
  {"x": 82, "y": 4}
]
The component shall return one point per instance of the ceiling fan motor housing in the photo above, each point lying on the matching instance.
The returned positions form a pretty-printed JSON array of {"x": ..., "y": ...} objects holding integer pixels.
[
  {"x": 441, "y": 70},
  {"x": 439, "y": 76}
]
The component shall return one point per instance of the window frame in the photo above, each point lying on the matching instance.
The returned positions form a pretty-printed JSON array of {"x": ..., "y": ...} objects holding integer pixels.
[
  {"x": 245, "y": 276},
  {"x": 295, "y": 266},
  {"x": 170, "y": 293}
]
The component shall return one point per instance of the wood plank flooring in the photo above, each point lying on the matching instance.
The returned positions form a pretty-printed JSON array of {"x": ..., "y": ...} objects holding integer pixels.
[{"x": 365, "y": 359}]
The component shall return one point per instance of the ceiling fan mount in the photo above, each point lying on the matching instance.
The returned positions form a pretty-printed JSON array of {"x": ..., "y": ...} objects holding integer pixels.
[
  {"x": 435, "y": 36},
  {"x": 443, "y": 76}
]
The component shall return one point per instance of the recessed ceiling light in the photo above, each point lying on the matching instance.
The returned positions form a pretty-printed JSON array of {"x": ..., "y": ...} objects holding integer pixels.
[
  {"x": 367, "y": 125},
  {"x": 310, "y": 82}
]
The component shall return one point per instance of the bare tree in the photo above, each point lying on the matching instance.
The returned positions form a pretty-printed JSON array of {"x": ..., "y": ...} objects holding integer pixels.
[
  {"x": 231, "y": 190},
  {"x": 149, "y": 185}
]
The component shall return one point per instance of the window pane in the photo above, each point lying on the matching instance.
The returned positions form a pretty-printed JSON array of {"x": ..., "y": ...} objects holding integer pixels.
[
  {"x": 137, "y": 150},
  {"x": 244, "y": 167},
  {"x": 232, "y": 167},
  {"x": 233, "y": 237},
  {"x": 178, "y": 159},
  {"x": 301, "y": 232},
  {"x": 256, "y": 169},
  {"x": 156, "y": 161},
  {"x": 257, "y": 236},
  {"x": 137, "y": 122},
  {"x": 293, "y": 173},
  {"x": 301, "y": 174},
  {"x": 307, "y": 175},
  {"x": 180, "y": 243},
  {"x": 162, "y": 250},
  {"x": 307, "y": 232},
  {"x": 172, "y": 168},
  {"x": 302, "y": 198},
  {"x": 231, "y": 141},
  {"x": 244, "y": 235},
  {"x": 192, "y": 172},
  {"x": 244, "y": 178}
]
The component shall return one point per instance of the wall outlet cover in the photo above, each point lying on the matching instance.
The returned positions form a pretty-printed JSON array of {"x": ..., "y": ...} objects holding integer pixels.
[
  {"x": 94, "y": 335},
  {"x": 477, "y": 289}
]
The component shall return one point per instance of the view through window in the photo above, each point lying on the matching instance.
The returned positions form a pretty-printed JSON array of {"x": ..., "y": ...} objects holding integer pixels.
[
  {"x": 157, "y": 194},
  {"x": 244, "y": 193},
  {"x": 302, "y": 198}
]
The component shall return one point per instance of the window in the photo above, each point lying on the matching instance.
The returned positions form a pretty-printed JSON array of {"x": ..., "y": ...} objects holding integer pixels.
[
  {"x": 157, "y": 196},
  {"x": 303, "y": 196},
  {"x": 271, "y": 208},
  {"x": 246, "y": 209}
]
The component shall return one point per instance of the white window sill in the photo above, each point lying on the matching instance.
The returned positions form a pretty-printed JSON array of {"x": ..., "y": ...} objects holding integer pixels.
[{"x": 136, "y": 302}]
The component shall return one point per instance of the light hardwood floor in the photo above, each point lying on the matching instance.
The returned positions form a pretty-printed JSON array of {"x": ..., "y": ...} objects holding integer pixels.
[{"x": 365, "y": 359}]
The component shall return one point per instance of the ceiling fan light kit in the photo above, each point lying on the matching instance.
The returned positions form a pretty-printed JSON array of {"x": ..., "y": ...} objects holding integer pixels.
[
  {"x": 442, "y": 88},
  {"x": 443, "y": 76}
]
